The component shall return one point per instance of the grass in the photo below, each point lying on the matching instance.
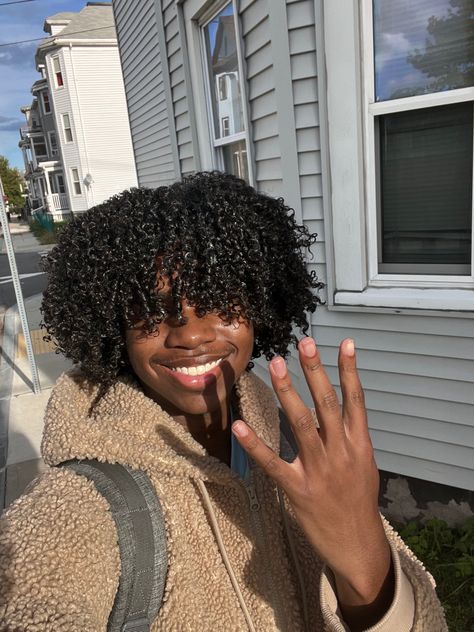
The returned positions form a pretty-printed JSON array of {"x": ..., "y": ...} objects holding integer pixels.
[
  {"x": 46, "y": 235},
  {"x": 448, "y": 554}
]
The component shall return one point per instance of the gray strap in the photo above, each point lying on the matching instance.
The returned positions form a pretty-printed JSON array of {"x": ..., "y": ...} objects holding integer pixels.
[{"x": 142, "y": 540}]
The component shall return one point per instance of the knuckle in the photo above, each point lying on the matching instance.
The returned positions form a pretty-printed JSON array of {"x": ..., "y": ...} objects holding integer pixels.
[
  {"x": 330, "y": 401},
  {"x": 271, "y": 464},
  {"x": 358, "y": 398},
  {"x": 305, "y": 422},
  {"x": 285, "y": 386},
  {"x": 314, "y": 366},
  {"x": 252, "y": 443}
]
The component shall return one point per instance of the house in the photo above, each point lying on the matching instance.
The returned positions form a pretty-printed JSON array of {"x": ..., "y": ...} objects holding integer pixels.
[
  {"x": 344, "y": 109},
  {"x": 77, "y": 144}
]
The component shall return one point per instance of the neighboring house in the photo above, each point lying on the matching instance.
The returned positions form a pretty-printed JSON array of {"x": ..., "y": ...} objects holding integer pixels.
[
  {"x": 80, "y": 113},
  {"x": 39, "y": 144},
  {"x": 341, "y": 107}
]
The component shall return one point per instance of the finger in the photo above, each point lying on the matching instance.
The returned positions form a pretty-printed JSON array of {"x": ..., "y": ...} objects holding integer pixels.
[
  {"x": 354, "y": 411},
  {"x": 263, "y": 456},
  {"x": 322, "y": 391},
  {"x": 299, "y": 415}
]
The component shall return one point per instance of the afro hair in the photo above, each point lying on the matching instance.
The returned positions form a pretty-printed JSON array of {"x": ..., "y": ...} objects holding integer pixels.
[{"x": 220, "y": 244}]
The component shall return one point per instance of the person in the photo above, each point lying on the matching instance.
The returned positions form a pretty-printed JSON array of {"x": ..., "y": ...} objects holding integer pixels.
[{"x": 162, "y": 298}]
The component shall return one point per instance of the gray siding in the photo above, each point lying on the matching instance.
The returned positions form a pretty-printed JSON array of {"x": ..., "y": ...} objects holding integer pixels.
[
  {"x": 145, "y": 87},
  {"x": 417, "y": 369}
]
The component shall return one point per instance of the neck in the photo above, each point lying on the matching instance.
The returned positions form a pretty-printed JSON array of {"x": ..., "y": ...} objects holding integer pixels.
[{"x": 211, "y": 429}]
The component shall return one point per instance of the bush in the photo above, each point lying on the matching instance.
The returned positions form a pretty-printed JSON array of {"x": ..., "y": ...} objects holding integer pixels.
[
  {"x": 45, "y": 235},
  {"x": 448, "y": 554}
]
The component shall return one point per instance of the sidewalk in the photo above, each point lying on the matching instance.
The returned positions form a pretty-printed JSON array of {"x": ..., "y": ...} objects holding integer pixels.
[
  {"x": 23, "y": 239},
  {"x": 21, "y": 411}
]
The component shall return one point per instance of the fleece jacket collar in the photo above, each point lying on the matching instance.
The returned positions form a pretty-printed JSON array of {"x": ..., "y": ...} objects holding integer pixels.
[{"x": 127, "y": 427}]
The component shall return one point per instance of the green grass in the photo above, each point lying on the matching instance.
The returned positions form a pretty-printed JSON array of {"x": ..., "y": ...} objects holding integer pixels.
[
  {"x": 448, "y": 554},
  {"x": 43, "y": 235}
]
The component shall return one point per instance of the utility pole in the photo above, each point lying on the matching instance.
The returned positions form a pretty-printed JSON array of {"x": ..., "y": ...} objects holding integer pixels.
[{"x": 18, "y": 293}]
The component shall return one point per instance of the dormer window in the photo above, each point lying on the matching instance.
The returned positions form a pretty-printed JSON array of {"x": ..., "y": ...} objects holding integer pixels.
[{"x": 58, "y": 75}]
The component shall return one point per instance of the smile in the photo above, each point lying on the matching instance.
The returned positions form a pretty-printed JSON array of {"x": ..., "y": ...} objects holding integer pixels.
[{"x": 198, "y": 369}]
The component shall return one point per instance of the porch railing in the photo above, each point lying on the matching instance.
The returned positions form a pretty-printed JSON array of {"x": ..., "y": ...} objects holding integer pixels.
[{"x": 58, "y": 202}]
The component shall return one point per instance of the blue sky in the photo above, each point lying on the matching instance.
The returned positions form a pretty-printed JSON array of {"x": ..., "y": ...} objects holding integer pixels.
[{"x": 17, "y": 66}]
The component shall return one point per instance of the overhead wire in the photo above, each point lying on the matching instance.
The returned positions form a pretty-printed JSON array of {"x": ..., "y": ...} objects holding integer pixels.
[{"x": 53, "y": 37}]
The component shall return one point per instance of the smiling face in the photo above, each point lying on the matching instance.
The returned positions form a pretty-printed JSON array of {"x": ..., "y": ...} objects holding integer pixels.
[{"x": 190, "y": 368}]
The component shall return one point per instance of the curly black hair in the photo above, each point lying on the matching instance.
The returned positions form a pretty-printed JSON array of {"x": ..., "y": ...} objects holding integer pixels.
[{"x": 218, "y": 242}]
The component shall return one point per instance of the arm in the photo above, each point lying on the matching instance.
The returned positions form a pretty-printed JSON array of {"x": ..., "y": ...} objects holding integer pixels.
[
  {"x": 59, "y": 558},
  {"x": 332, "y": 487}
]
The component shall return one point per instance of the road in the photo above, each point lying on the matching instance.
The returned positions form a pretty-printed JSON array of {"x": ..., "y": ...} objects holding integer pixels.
[{"x": 31, "y": 278}]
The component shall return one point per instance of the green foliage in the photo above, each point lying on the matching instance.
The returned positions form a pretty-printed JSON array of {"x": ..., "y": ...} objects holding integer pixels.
[
  {"x": 448, "y": 554},
  {"x": 45, "y": 235},
  {"x": 11, "y": 179}
]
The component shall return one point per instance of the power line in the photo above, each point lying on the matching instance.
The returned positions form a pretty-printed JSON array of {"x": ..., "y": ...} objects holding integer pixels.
[
  {"x": 4, "y": 4},
  {"x": 53, "y": 37}
]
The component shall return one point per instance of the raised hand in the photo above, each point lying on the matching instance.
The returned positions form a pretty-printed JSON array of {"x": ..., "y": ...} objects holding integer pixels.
[{"x": 333, "y": 483}]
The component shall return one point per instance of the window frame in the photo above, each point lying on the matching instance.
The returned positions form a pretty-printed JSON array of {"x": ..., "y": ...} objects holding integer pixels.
[
  {"x": 373, "y": 109},
  {"x": 75, "y": 181},
  {"x": 69, "y": 127},
  {"x": 50, "y": 134},
  {"x": 44, "y": 95},
  {"x": 194, "y": 16},
  {"x": 342, "y": 81},
  {"x": 58, "y": 74}
]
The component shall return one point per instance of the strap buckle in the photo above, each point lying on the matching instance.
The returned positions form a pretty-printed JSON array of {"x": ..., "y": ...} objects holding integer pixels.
[{"x": 136, "y": 625}]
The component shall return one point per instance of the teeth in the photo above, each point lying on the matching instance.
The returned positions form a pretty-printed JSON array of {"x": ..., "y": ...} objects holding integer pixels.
[{"x": 200, "y": 369}]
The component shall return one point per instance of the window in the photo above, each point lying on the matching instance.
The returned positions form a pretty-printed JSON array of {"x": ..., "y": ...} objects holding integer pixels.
[
  {"x": 53, "y": 143},
  {"x": 225, "y": 126},
  {"x": 420, "y": 138},
  {"x": 39, "y": 144},
  {"x": 222, "y": 87},
  {"x": 224, "y": 98},
  {"x": 76, "y": 183},
  {"x": 58, "y": 75},
  {"x": 46, "y": 103},
  {"x": 60, "y": 183},
  {"x": 67, "y": 128},
  {"x": 400, "y": 153}
]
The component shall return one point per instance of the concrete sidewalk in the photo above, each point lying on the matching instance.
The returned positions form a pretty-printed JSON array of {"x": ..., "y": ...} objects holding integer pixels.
[
  {"x": 21, "y": 411},
  {"x": 23, "y": 239}
]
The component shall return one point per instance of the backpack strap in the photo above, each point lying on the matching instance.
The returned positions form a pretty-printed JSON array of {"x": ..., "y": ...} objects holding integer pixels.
[
  {"x": 288, "y": 445},
  {"x": 141, "y": 531}
]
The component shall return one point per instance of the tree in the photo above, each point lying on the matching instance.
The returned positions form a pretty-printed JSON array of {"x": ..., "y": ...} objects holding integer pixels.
[
  {"x": 12, "y": 180},
  {"x": 448, "y": 57}
]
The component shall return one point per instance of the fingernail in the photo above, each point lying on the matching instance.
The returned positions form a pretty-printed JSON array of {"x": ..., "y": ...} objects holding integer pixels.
[
  {"x": 240, "y": 429},
  {"x": 350, "y": 348},
  {"x": 278, "y": 367},
  {"x": 309, "y": 347}
]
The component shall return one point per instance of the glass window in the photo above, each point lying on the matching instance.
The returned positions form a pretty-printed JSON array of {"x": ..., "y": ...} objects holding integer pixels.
[
  {"x": 54, "y": 143},
  {"x": 46, "y": 103},
  {"x": 67, "y": 128},
  {"x": 426, "y": 187},
  {"x": 422, "y": 46},
  {"x": 58, "y": 75},
  {"x": 60, "y": 182},
  {"x": 76, "y": 183},
  {"x": 225, "y": 96},
  {"x": 40, "y": 148}
]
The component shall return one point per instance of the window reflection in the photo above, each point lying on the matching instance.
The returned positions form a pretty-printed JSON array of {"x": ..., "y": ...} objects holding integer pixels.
[
  {"x": 422, "y": 46},
  {"x": 223, "y": 67}
]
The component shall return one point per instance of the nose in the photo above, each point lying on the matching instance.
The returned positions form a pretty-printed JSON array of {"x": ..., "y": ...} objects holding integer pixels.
[{"x": 193, "y": 332}]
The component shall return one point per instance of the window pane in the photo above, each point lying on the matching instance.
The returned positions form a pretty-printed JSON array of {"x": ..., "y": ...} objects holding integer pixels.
[
  {"x": 426, "y": 185},
  {"x": 235, "y": 159},
  {"x": 222, "y": 61},
  {"x": 422, "y": 46}
]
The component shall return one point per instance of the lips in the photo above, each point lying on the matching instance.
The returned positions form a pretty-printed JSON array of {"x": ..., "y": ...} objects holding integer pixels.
[{"x": 193, "y": 372}]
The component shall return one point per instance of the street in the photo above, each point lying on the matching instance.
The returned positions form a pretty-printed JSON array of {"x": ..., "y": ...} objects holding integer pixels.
[{"x": 31, "y": 278}]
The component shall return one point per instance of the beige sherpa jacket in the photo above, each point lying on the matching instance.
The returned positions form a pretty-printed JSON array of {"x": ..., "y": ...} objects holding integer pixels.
[{"x": 230, "y": 566}]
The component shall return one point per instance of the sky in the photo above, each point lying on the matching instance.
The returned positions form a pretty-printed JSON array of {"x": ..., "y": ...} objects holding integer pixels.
[{"x": 18, "y": 22}]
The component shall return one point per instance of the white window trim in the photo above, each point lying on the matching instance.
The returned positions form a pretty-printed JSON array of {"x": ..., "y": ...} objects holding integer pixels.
[
  {"x": 56, "y": 155},
  {"x": 73, "y": 181},
  {"x": 67, "y": 142},
  {"x": 196, "y": 14},
  {"x": 43, "y": 107},
  {"x": 356, "y": 282},
  {"x": 55, "y": 79}
]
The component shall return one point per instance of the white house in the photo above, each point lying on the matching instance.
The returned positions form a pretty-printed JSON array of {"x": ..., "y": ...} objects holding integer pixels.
[
  {"x": 345, "y": 109},
  {"x": 90, "y": 134}
]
